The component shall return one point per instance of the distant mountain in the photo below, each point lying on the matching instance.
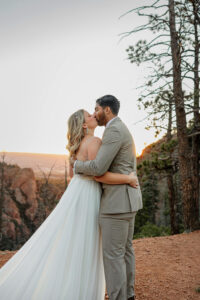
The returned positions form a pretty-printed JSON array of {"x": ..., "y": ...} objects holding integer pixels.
[{"x": 39, "y": 162}]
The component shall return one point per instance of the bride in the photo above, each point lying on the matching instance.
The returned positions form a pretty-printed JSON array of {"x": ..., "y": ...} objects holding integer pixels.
[{"x": 62, "y": 260}]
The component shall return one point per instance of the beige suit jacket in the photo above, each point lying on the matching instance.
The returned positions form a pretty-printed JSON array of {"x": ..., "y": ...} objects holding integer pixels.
[{"x": 117, "y": 154}]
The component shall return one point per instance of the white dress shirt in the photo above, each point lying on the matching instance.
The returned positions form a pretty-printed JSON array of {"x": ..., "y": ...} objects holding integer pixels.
[{"x": 110, "y": 121}]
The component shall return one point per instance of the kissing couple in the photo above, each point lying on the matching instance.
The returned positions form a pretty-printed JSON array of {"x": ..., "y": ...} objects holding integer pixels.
[{"x": 86, "y": 241}]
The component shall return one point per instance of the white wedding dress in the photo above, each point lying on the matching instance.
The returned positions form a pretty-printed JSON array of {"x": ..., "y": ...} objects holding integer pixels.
[{"x": 63, "y": 258}]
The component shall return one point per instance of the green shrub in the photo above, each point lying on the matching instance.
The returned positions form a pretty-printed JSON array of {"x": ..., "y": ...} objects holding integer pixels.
[
  {"x": 197, "y": 289},
  {"x": 152, "y": 230}
]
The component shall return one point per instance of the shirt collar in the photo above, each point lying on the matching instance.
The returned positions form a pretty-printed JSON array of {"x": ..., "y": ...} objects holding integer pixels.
[{"x": 110, "y": 121}]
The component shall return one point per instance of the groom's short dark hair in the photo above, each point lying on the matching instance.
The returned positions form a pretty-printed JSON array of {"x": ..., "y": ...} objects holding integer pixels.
[{"x": 111, "y": 101}]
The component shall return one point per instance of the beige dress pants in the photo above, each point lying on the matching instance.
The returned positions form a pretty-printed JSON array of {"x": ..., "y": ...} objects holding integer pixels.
[{"x": 118, "y": 254}]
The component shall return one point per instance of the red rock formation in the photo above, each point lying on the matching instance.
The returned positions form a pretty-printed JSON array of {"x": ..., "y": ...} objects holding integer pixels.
[
  {"x": 25, "y": 181},
  {"x": 25, "y": 205}
]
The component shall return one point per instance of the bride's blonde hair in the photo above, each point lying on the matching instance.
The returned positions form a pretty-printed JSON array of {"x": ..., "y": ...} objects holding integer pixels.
[{"x": 75, "y": 132}]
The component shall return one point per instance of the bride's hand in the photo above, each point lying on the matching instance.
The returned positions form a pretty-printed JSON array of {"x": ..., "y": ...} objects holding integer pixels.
[
  {"x": 97, "y": 178},
  {"x": 133, "y": 180}
]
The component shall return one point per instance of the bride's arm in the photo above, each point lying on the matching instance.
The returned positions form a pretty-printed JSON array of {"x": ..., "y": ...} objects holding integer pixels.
[
  {"x": 109, "y": 177},
  {"x": 70, "y": 174},
  {"x": 117, "y": 178}
]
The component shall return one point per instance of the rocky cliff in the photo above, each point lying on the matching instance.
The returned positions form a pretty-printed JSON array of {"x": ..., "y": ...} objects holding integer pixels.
[{"x": 24, "y": 204}]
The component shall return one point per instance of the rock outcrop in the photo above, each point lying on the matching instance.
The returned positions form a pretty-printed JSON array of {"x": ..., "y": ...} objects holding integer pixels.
[{"x": 25, "y": 204}]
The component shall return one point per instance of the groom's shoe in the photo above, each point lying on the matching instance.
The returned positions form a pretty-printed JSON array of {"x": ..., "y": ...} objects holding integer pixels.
[{"x": 132, "y": 298}]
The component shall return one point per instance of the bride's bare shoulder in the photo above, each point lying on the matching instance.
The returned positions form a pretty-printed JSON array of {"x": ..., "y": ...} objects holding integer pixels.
[
  {"x": 93, "y": 146},
  {"x": 95, "y": 139},
  {"x": 89, "y": 142}
]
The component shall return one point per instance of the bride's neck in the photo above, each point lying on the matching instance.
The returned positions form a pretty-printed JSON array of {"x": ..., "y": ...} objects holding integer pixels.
[{"x": 89, "y": 132}]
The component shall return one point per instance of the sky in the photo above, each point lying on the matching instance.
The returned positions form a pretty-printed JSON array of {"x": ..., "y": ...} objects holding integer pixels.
[{"x": 59, "y": 56}]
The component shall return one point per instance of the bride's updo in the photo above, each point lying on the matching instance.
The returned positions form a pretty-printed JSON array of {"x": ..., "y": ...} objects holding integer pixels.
[{"x": 75, "y": 132}]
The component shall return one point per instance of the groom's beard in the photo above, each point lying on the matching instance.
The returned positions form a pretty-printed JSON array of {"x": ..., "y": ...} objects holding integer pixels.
[{"x": 101, "y": 120}]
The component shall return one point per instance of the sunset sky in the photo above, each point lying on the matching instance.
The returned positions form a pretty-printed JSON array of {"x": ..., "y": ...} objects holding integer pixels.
[{"x": 60, "y": 56}]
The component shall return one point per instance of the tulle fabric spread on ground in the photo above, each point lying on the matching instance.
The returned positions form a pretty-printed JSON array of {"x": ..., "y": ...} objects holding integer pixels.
[{"x": 63, "y": 258}]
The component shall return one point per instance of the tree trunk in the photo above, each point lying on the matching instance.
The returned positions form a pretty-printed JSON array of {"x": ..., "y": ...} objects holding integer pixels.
[
  {"x": 195, "y": 138},
  {"x": 169, "y": 127},
  {"x": 172, "y": 204},
  {"x": 170, "y": 182},
  {"x": 189, "y": 203}
]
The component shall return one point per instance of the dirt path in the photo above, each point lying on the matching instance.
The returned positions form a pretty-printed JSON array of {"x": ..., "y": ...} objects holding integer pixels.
[{"x": 167, "y": 268}]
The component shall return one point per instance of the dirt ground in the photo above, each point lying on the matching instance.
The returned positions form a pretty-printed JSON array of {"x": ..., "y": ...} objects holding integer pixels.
[{"x": 167, "y": 268}]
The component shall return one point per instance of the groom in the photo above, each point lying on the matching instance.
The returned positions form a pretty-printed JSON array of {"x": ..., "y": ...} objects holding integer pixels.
[{"x": 119, "y": 203}]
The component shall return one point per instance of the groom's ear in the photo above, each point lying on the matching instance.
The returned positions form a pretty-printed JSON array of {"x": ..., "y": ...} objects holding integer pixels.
[{"x": 107, "y": 110}]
